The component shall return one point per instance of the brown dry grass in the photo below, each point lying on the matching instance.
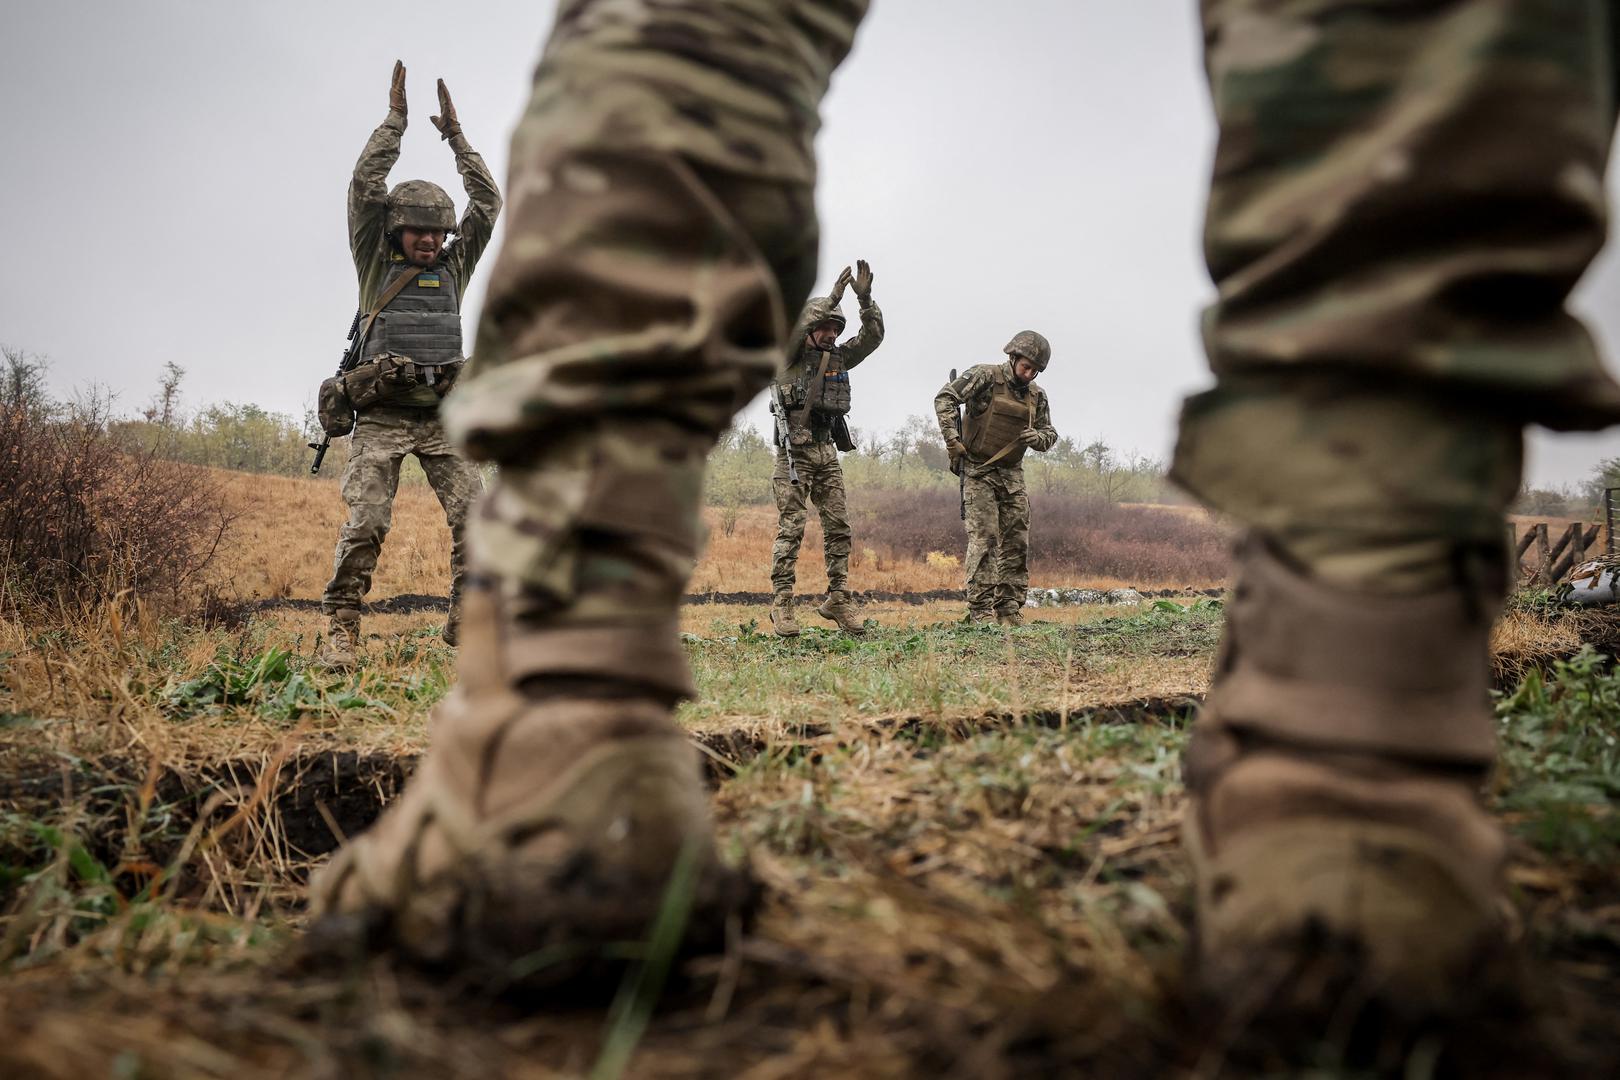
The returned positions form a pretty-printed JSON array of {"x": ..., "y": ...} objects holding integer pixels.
[
  {"x": 968, "y": 838},
  {"x": 283, "y": 540}
]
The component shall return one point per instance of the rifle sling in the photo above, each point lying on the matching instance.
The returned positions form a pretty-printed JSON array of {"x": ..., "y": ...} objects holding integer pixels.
[{"x": 383, "y": 301}]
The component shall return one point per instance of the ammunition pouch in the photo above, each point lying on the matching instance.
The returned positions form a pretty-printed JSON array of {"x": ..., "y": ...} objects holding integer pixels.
[
  {"x": 334, "y": 409},
  {"x": 392, "y": 378}
]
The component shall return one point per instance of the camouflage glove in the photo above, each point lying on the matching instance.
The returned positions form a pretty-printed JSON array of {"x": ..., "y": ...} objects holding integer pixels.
[
  {"x": 449, "y": 127},
  {"x": 396, "y": 90},
  {"x": 837, "y": 294},
  {"x": 863, "y": 282},
  {"x": 1031, "y": 438},
  {"x": 957, "y": 450}
]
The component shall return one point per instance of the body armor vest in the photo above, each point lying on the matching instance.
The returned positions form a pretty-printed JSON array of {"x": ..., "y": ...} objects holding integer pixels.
[
  {"x": 1000, "y": 424},
  {"x": 829, "y": 386},
  {"x": 422, "y": 323}
]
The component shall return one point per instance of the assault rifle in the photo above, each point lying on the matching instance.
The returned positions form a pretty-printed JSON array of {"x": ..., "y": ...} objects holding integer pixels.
[
  {"x": 784, "y": 433},
  {"x": 960, "y": 467},
  {"x": 350, "y": 355}
]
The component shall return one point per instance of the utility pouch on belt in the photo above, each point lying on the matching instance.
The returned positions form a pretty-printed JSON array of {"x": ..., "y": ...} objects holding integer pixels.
[
  {"x": 841, "y": 437},
  {"x": 334, "y": 409},
  {"x": 387, "y": 378}
]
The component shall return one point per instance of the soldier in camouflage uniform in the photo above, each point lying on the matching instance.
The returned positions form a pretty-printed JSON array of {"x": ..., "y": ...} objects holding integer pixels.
[
  {"x": 1403, "y": 197},
  {"x": 1006, "y": 414},
  {"x": 416, "y": 342},
  {"x": 811, "y": 402}
]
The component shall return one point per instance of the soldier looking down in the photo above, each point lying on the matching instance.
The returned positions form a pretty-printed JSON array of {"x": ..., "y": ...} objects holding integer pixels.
[
  {"x": 811, "y": 403},
  {"x": 1006, "y": 414},
  {"x": 1403, "y": 197},
  {"x": 411, "y": 357}
]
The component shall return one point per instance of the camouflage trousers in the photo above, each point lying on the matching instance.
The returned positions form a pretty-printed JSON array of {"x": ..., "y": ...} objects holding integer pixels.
[
  {"x": 1373, "y": 375},
  {"x": 1369, "y": 284},
  {"x": 382, "y": 438},
  {"x": 821, "y": 481},
  {"x": 997, "y": 512}
]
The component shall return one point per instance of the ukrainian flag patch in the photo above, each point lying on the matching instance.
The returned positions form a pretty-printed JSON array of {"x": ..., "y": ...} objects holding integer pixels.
[{"x": 427, "y": 281}]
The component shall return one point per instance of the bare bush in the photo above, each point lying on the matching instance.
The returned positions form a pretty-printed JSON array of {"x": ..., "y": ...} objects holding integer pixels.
[
  {"x": 86, "y": 518},
  {"x": 1073, "y": 536}
]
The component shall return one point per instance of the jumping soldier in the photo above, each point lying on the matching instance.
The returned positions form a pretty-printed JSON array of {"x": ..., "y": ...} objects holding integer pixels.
[
  {"x": 411, "y": 358},
  {"x": 1006, "y": 414},
  {"x": 811, "y": 402},
  {"x": 1372, "y": 382}
]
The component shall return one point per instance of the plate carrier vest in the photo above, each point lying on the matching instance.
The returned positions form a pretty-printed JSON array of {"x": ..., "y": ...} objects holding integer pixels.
[
  {"x": 991, "y": 431},
  {"x": 422, "y": 323}
]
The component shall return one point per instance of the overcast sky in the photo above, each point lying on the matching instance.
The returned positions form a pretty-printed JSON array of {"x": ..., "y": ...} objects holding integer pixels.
[{"x": 175, "y": 173}]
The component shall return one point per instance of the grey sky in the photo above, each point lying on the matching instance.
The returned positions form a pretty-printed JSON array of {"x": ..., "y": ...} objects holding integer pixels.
[{"x": 175, "y": 176}]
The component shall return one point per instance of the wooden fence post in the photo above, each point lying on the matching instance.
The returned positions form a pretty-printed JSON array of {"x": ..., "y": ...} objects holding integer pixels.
[{"x": 1543, "y": 555}]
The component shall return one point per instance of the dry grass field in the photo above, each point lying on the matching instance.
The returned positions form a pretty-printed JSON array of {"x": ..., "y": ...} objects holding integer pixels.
[{"x": 967, "y": 838}]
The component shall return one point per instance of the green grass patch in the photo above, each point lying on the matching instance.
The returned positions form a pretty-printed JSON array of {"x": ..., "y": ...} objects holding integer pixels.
[{"x": 1560, "y": 758}]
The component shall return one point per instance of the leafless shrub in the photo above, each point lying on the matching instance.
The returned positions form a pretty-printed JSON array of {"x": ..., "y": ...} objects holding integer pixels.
[
  {"x": 85, "y": 517},
  {"x": 1069, "y": 535}
]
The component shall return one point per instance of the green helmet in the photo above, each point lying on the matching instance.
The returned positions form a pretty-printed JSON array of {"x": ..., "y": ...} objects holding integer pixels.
[
  {"x": 420, "y": 204},
  {"x": 819, "y": 311},
  {"x": 1032, "y": 347}
]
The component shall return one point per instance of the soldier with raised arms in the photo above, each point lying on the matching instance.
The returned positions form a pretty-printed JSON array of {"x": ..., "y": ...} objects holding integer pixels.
[
  {"x": 811, "y": 404},
  {"x": 989, "y": 416},
  {"x": 1402, "y": 198},
  {"x": 414, "y": 259}
]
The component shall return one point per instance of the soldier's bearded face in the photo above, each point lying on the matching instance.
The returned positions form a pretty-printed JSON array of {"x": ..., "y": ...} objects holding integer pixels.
[
  {"x": 421, "y": 246},
  {"x": 1024, "y": 370},
  {"x": 824, "y": 336}
]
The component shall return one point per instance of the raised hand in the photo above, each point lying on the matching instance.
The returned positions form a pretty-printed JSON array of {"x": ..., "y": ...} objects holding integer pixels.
[
  {"x": 841, "y": 284},
  {"x": 449, "y": 127},
  {"x": 396, "y": 89},
  {"x": 863, "y": 281}
]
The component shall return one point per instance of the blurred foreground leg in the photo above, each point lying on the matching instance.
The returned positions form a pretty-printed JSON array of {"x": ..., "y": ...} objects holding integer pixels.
[
  {"x": 1403, "y": 197},
  {"x": 662, "y": 223}
]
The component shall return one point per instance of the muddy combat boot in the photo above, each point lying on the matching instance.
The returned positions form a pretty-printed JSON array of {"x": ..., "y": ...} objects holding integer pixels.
[
  {"x": 1010, "y": 618},
  {"x": 839, "y": 608},
  {"x": 341, "y": 649},
  {"x": 1340, "y": 847},
  {"x": 782, "y": 620},
  {"x": 538, "y": 825}
]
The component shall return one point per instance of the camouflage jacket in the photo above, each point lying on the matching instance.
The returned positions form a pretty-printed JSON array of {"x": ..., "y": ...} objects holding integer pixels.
[
  {"x": 972, "y": 389},
  {"x": 803, "y": 426},
  {"x": 368, "y": 211}
]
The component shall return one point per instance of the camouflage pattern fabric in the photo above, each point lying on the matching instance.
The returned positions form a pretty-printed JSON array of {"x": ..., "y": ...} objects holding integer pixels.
[
  {"x": 381, "y": 440},
  {"x": 672, "y": 187},
  {"x": 375, "y": 259},
  {"x": 972, "y": 389},
  {"x": 663, "y": 214},
  {"x": 821, "y": 481},
  {"x": 1336, "y": 315},
  {"x": 998, "y": 540},
  {"x": 368, "y": 211},
  {"x": 805, "y": 425}
]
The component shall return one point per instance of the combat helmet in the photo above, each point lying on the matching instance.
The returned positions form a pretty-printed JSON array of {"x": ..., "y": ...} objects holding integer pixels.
[
  {"x": 420, "y": 204},
  {"x": 820, "y": 310},
  {"x": 1032, "y": 347}
]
